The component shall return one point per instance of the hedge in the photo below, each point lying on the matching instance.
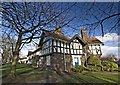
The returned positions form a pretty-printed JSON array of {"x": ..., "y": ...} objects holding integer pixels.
[
  {"x": 94, "y": 68},
  {"x": 110, "y": 66},
  {"x": 79, "y": 68}
]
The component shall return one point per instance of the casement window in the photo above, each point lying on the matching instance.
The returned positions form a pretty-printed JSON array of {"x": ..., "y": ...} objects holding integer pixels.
[
  {"x": 62, "y": 44},
  {"x": 68, "y": 51},
  {"x": 54, "y": 42},
  {"x": 71, "y": 45},
  {"x": 71, "y": 51},
  {"x": 75, "y": 51},
  {"x": 58, "y": 43},
  {"x": 78, "y": 51},
  {"x": 58, "y": 49},
  {"x": 67, "y": 45},
  {"x": 76, "y": 45}
]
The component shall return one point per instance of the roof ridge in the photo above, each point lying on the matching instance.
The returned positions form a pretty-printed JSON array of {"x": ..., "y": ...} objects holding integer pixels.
[{"x": 55, "y": 35}]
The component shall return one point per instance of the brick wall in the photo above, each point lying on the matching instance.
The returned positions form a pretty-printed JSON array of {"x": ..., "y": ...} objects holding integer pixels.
[{"x": 57, "y": 62}]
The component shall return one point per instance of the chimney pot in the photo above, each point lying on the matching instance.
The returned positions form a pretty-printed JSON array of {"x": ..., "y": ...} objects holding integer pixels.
[
  {"x": 84, "y": 34},
  {"x": 58, "y": 30}
]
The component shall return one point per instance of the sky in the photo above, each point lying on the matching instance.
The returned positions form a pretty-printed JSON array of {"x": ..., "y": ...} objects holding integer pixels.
[
  {"x": 110, "y": 46},
  {"x": 84, "y": 15},
  {"x": 110, "y": 38}
]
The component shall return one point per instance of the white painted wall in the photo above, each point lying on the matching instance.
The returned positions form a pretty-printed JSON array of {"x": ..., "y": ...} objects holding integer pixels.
[
  {"x": 76, "y": 45},
  {"x": 73, "y": 59}
]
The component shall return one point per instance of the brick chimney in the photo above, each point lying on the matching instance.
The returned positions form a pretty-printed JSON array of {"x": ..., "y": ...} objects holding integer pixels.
[
  {"x": 84, "y": 34},
  {"x": 58, "y": 30}
]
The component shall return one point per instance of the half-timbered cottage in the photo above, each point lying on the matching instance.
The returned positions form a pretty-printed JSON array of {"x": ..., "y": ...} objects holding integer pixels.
[{"x": 62, "y": 53}]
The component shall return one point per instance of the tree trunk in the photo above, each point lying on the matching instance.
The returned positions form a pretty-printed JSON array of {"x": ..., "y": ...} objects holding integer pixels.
[
  {"x": 16, "y": 55},
  {"x": 14, "y": 63}
]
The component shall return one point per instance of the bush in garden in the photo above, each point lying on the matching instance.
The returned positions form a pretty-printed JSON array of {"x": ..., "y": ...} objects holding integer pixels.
[
  {"x": 79, "y": 68},
  {"x": 94, "y": 68},
  {"x": 94, "y": 60},
  {"x": 87, "y": 69},
  {"x": 110, "y": 66},
  {"x": 94, "y": 63}
]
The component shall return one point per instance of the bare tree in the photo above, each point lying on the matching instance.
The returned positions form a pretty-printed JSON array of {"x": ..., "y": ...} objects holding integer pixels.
[
  {"x": 7, "y": 45},
  {"x": 97, "y": 18},
  {"x": 25, "y": 21}
]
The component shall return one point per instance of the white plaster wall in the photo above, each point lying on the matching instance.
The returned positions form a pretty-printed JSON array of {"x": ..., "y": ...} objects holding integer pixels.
[{"x": 76, "y": 45}]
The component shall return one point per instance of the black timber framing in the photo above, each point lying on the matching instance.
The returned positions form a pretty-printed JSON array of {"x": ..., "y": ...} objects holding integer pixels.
[
  {"x": 57, "y": 53},
  {"x": 74, "y": 49},
  {"x": 60, "y": 46},
  {"x": 56, "y": 45},
  {"x": 93, "y": 49},
  {"x": 63, "y": 47}
]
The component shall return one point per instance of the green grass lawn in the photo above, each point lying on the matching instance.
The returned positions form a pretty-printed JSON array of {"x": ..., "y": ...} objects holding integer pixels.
[{"x": 26, "y": 74}]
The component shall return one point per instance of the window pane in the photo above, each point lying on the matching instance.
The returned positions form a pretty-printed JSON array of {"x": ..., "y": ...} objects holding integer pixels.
[
  {"x": 58, "y": 43},
  {"x": 68, "y": 51},
  {"x": 54, "y": 42},
  {"x": 78, "y": 51},
  {"x": 58, "y": 49},
  {"x": 61, "y": 44},
  {"x": 62, "y": 50}
]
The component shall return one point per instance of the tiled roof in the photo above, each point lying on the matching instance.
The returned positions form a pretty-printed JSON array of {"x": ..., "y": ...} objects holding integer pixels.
[
  {"x": 93, "y": 40},
  {"x": 89, "y": 40},
  {"x": 77, "y": 36},
  {"x": 56, "y": 36}
]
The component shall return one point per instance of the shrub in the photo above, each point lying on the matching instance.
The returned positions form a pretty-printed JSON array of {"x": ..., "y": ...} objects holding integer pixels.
[
  {"x": 110, "y": 66},
  {"x": 94, "y": 68},
  {"x": 79, "y": 68},
  {"x": 94, "y": 60},
  {"x": 87, "y": 69}
]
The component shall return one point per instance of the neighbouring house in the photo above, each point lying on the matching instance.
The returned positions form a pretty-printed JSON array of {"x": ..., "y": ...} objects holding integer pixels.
[
  {"x": 62, "y": 53},
  {"x": 25, "y": 59},
  {"x": 109, "y": 58},
  {"x": 118, "y": 62}
]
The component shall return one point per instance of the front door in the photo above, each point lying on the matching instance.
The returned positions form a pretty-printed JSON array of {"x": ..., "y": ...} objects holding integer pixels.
[{"x": 76, "y": 61}]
